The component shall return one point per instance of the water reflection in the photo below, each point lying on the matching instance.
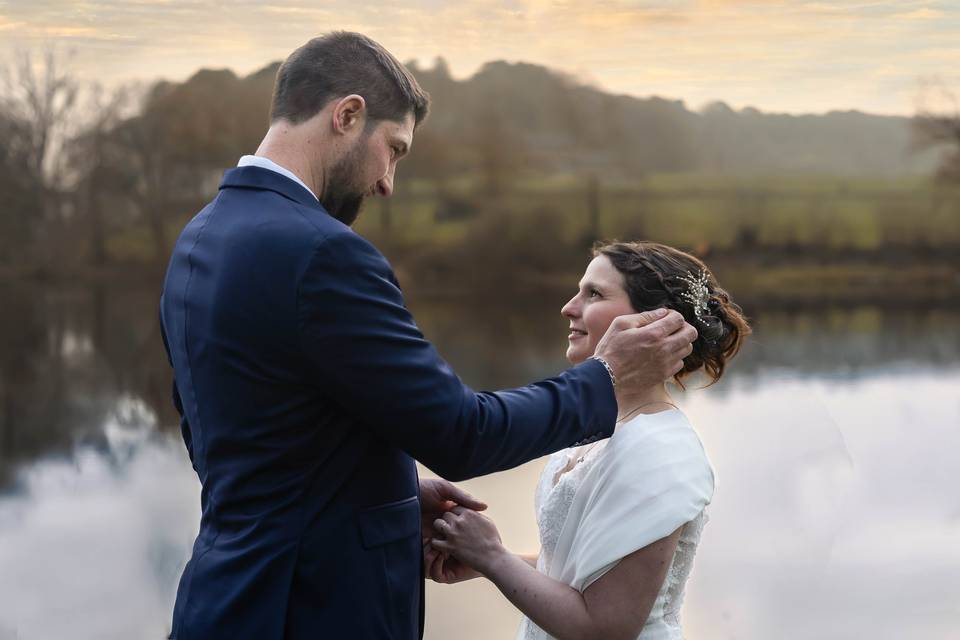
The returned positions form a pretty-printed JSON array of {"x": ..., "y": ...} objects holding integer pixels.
[
  {"x": 65, "y": 357},
  {"x": 836, "y": 514},
  {"x": 92, "y": 545}
]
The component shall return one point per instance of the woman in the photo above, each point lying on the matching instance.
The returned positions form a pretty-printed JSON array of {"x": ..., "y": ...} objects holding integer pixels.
[{"x": 619, "y": 519}]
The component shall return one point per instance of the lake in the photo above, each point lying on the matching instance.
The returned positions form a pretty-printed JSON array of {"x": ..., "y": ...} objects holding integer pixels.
[{"x": 835, "y": 435}]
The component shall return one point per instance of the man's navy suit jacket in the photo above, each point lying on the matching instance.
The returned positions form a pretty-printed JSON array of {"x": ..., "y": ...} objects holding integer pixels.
[{"x": 306, "y": 393}]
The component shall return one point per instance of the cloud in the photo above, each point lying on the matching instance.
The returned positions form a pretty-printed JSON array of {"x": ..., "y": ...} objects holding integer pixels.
[
  {"x": 742, "y": 52},
  {"x": 8, "y": 25},
  {"x": 925, "y": 13}
]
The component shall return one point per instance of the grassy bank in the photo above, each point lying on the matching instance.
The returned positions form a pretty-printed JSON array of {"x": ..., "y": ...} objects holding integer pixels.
[{"x": 772, "y": 239}]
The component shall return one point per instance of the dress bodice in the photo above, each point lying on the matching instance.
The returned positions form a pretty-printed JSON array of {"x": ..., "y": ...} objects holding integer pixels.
[{"x": 562, "y": 475}]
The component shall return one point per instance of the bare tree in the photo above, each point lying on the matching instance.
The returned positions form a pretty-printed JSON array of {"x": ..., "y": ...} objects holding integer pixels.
[
  {"x": 38, "y": 101},
  {"x": 937, "y": 124},
  {"x": 95, "y": 160},
  {"x": 177, "y": 144},
  {"x": 151, "y": 165}
]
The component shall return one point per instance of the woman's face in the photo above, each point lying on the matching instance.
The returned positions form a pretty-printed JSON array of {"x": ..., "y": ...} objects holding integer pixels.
[{"x": 601, "y": 299}]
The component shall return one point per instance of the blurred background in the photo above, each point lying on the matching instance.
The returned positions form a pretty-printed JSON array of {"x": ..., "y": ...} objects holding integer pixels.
[{"x": 808, "y": 152}]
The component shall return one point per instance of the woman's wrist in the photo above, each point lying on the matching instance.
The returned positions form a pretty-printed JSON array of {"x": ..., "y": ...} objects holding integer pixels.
[{"x": 495, "y": 560}]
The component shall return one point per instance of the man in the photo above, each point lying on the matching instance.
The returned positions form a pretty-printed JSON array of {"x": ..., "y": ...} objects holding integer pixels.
[{"x": 306, "y": 390}]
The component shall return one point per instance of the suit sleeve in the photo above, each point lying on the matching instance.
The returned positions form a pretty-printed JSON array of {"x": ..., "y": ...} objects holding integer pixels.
[{"x": 367, "y": 354}]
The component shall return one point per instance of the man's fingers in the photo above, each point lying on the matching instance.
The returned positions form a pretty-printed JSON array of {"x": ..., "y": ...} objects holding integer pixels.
[
  {"x": 682, "y": 339},
  {"x": 464, "y": 499},
  {"x": 452, "y": 493},
  {"x": 682, "y": 350},
  {"x": 438, "y": 571},
  {"x": 675, "y": 369},
  {"x": 430, "y": 556},
  {"x": 443, "y": 545},
  {"x": 667, "y": 325},
  {"x": 641, "y": 319},
  {"x": 661, "y": 328},
  {"x": 436, "y": 565},
  {"x": 647, "y": 317}
]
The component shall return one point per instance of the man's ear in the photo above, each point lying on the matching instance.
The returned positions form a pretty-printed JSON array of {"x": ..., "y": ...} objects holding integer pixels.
[{"x": 349, "y": 114}]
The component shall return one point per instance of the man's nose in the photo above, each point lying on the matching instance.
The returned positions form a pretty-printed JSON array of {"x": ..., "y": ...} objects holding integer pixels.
[{"x": 385, "y": 185}]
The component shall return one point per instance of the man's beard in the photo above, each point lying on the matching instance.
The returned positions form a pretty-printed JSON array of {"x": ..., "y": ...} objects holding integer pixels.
[{"x": 341, "y": 198}]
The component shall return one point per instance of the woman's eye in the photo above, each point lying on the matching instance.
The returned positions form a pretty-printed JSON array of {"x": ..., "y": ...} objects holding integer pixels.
[{"x": 594, "y": 293}]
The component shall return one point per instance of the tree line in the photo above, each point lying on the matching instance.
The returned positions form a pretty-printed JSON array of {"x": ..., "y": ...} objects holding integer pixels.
[{"x": 80, "y": 164}]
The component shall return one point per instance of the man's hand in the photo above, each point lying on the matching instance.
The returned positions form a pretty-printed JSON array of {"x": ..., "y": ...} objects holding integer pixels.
[
  {"x": 645, "y": 349},
  {"x": 443, "y": 568},
  {"x": 438, "y": 496}
]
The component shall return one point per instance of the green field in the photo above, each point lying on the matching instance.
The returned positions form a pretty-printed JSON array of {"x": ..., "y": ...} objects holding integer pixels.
[
  {"x": 785, "y": 240},
  {"x": 820, "y": 214}
]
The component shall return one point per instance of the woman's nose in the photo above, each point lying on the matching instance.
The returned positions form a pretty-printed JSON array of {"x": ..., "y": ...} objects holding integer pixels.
[{"x": 569, "y": 310}]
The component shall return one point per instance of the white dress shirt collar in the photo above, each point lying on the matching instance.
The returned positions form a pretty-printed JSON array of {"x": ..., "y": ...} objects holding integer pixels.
[{"x": 264, "y": 163}]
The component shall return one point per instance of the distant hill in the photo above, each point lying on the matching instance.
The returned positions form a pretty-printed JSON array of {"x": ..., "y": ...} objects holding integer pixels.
[
  {"x": 573, "y": 126},
  {"x": 521, "y": 118}
]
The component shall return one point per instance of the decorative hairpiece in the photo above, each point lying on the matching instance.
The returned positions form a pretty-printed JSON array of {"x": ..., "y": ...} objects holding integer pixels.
[{"x": 697, "y": 293}]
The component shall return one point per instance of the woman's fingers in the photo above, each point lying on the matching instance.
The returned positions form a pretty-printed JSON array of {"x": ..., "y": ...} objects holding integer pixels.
[{"x": 451, "y": 521}]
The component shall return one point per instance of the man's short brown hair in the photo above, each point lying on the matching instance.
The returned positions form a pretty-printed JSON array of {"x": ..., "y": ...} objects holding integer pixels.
[{"x": 339, "y": 64}]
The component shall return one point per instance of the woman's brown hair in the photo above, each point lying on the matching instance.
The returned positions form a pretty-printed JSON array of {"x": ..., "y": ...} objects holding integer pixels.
[{"x": 656, "y": 275}]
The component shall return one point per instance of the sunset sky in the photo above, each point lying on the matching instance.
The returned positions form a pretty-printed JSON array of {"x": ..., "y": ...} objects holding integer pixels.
[{"x": 776, "y": 55}]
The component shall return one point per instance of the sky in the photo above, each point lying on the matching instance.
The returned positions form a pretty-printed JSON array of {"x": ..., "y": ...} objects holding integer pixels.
[{"x": 774, "y": 55}]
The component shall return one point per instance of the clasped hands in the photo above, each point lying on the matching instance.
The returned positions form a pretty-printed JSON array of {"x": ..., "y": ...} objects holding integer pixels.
[{"x": 459, "y": 543}]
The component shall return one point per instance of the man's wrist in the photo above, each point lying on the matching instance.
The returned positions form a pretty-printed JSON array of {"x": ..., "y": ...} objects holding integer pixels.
[{"x": 606, "y": 365}]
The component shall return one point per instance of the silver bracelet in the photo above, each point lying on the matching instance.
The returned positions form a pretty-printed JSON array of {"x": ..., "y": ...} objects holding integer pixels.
[{"x": 606, "y": 365}]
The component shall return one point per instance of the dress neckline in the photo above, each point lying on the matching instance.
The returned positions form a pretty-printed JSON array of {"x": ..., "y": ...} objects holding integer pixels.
[
  {"x": 600, "y": 446},
  {"x": 588, "y": 456},
  {"x": 641, "y": 416}
]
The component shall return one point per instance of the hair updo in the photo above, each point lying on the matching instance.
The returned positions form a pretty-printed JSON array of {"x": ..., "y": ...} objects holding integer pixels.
[{"x": 656, "y": 275}]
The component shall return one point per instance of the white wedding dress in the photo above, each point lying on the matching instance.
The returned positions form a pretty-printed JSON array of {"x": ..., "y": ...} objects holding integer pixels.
[{"x": 649, "y": 479}]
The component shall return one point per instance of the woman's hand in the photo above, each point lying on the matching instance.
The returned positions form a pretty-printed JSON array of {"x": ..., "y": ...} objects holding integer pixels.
[
  {"x": 469, "y": 537},
  {"x": 437, "y": 496}
]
